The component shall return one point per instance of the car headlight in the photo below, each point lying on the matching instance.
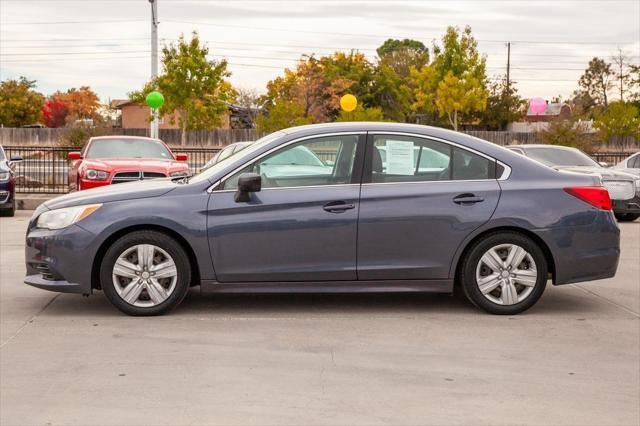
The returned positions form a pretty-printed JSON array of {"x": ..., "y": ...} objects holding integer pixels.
[
  {"x": 4, "y": 176},
  {"x": 96, "y": 174},
  {"x": 637, "y": 186},
  {"x": 181, "y": 173},
  {"x": 61, "y": 218}
]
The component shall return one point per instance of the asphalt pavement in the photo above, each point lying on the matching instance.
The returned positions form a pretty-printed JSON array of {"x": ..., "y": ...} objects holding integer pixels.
[{"x": 573, "y": 359}]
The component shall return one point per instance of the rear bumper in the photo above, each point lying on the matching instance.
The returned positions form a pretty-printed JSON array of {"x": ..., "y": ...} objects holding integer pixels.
[{"x": 584, "y": 252}]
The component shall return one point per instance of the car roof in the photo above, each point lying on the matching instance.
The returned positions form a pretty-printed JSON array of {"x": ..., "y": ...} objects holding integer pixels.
[
  {"x": 123, "y": 137},
  {"x": 539, "y": 145}
]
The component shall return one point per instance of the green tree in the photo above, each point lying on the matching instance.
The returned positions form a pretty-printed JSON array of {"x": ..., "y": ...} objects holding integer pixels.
[
  {"x": 19, "y": 103},
  {"x": 456, "y": 96},
  {"x": 567, "y": 133},
  {"x": 504, "y": 105},
  {"x": 454, "y": 84},
  {"x": 634, "y": 74},
  {"x": 402, "y": 55},
  {"x": 193, "y": 86},
  {"x": 282, "y": 114},
  {"x": 618, "y": 121},
  {"x": 362, "y": 114},
  {"x": 597, "y": 81}
]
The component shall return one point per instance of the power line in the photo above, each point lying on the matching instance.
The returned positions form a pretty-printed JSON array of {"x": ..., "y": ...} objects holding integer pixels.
[
  {"x": 72, "y": 22},
  {"x": 379, "y": 35},
  {"x": 73, "y": 53}
]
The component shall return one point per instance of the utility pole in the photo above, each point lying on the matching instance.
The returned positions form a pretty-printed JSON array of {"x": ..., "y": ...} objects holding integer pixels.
[
  {"x": 508, "y": 63},
  {"x": 153, "y": 128}
]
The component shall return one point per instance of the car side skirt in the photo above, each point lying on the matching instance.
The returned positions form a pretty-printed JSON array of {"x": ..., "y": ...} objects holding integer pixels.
[{"x": 381, "y": 286}]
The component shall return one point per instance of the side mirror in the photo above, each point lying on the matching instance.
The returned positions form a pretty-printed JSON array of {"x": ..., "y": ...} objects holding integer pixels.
[
  {"x": 182, "y": 157},
  {"x": 603, "y": 163},
  {"x": 247, "y": 183},
  {"x": 14, "y": 159},
  {"x": 75, "y": 155}
]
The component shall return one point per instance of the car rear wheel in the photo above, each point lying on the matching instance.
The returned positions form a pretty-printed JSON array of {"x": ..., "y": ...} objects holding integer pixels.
[
  {"x": 504, "y": 273},
  {"x": 145, "y": 273},
  {"x": 627, "y": 217}
]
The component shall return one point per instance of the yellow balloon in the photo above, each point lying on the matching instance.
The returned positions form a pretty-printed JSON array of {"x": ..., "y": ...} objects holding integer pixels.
[{"x": 348, "y": 102}]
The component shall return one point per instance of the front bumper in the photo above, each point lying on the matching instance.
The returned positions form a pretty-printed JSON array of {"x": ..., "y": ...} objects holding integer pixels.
[
  {"x": 60, "y": 260},
  {"x": 6, "y": 194}
]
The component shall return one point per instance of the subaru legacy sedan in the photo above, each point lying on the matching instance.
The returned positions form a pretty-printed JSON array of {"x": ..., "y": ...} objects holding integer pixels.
[{"x": 491, "y": 223}]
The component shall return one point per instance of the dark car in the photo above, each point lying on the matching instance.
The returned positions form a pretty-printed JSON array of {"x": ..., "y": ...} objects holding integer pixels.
[
  {"x": 7, "y": 184},
  {"x": 623, "y": 187},
  {"x": 491, "y": 223}
]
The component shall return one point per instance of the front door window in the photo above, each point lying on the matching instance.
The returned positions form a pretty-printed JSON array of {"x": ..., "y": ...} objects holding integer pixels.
[{"x": 314, "y": 162}]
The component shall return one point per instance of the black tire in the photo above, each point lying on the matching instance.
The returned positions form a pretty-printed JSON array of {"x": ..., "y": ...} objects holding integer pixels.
[
  {"x": 467, "y": 272},
  {"x": 627, "y": 217},
  {"x": 166, "y": 243},
  {"x": 10, "y": 212}
]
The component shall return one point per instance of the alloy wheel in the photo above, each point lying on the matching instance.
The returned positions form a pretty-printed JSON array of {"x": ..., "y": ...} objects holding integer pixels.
[
  {"x": 144, "y": 275},
  {"x": 506, "y": 274}
]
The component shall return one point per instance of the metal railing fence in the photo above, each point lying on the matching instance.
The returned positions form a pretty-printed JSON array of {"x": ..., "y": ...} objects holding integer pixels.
[{"x": 46, "y": 169}]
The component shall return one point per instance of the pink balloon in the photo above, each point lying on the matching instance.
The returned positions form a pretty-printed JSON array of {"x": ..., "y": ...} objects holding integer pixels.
[{"x": 538, "y": 106}]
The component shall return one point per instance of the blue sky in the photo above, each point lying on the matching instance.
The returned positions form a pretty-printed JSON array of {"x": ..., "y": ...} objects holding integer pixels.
[{"x": 105, "y": 43}]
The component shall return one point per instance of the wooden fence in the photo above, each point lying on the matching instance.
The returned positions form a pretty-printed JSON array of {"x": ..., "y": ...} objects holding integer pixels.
[
  {"x": 222, "y": 137},
  {"x": 58, "y": 137}
]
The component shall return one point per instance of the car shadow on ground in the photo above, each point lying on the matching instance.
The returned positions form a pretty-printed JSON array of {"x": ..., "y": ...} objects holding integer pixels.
[{"x": 556, "y": 300}]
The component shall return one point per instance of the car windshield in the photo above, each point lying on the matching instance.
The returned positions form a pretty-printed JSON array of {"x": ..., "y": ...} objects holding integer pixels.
[
  {"x": 560, "y": 157},
  {"x": 128, "y": 148},
  {"x": 2, "y": 157},
  {"x": 205, "y": 174}
]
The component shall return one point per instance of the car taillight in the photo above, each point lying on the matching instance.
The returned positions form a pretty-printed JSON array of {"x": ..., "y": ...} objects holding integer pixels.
[{"x": 597, "y": 196}]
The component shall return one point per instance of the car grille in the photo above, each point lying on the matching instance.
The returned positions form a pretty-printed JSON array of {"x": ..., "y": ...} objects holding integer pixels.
[
  {"x": 133, "y": 176},
  {"x": 4, "y": 196},
  {"x": 619, "y": 189}
]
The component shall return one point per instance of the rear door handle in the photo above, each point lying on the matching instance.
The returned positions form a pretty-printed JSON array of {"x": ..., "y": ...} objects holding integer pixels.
[
  {"x": 464, "y": 199},
  {"x": 338, "y": 207}
]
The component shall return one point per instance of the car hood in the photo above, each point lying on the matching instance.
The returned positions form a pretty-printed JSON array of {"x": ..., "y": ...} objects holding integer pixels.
[
  {"x": 132, "y": 164},
  {"x": 119, "y": 192},
  {"x": 598, "y": 171}
]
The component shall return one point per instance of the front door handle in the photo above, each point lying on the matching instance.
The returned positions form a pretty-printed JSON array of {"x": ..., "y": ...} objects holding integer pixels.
[
  {"x": 466, "y": 199},
  {"x": 338, "y": 207}
]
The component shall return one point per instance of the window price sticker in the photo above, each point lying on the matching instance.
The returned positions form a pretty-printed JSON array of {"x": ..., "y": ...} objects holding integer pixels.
[{"x": 400, "y": 158}]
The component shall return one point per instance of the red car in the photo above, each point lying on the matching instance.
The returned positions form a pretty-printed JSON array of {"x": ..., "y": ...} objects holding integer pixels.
[{"x": 107, "y": 160}]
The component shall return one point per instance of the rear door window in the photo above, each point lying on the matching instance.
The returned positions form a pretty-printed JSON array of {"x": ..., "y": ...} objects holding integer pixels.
[{"x": 411, "y": 159}]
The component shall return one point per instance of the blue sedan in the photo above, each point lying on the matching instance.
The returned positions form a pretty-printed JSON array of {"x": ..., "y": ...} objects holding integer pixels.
[{"x": 487, "y": 222}]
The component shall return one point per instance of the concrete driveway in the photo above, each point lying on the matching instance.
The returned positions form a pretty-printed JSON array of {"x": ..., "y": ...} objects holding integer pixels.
[{"x": 356, "y": 359}]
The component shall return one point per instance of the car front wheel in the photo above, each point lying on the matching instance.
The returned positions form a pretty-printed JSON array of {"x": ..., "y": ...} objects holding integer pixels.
[
  {"x": 11, "y": 211},
  {"x": 504, "y": 273},
  {"x": 145, "y": 273}
]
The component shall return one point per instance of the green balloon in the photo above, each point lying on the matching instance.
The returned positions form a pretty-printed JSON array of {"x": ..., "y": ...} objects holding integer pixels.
[{"x": 155, "y": 100}]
